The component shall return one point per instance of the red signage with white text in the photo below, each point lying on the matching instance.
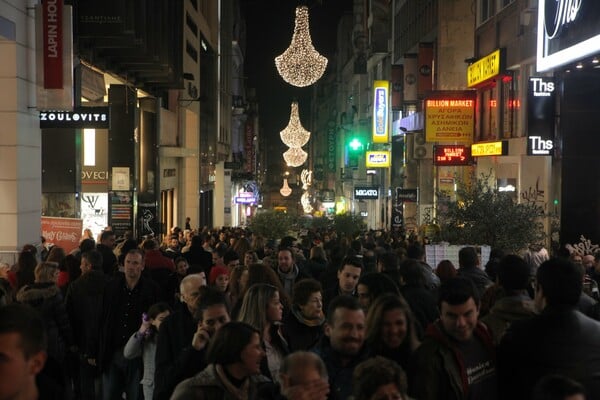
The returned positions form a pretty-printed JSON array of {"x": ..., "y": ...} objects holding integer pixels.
[
  {"x": 52, "y": 11},
  {"x": 62, "y": 232},
  {"x": 451, "y": 155}
]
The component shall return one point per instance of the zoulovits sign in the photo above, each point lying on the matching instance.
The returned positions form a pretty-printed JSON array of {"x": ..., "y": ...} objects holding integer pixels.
[{"x": 79, "y": 118}]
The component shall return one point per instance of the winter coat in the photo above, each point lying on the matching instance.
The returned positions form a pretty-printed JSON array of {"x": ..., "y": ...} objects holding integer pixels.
[
  {"x": 423, "y": 304},
  {"x": 208, "y": 385},
  {"x": 84, "y": 307},
  {"x": 140, "y": 345},
  {"x": 506, "y": 311},
  {"x": 300, "y": 335},
  {"x": 47, "y": 299},
  {"x": 438, "y": 372},
  {"x": 560, "y": 340},
  {"x": 340, "y": 375},
  {"x": 478, "y": 277}
]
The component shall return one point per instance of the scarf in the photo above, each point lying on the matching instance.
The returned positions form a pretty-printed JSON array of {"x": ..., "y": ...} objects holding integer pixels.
[
  {"x": 303, "y": 320},
  {"x": 239, "y": 393}
]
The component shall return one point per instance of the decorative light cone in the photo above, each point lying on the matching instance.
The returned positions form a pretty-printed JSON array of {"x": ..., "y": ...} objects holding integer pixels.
[
  {"x": 295, "y": 157},
  {"x": 300, "y": 64},
  {"x": 285, "y": 190},
  {"x": 305, "y": 201},
  {"x": 294, "y": 134}
]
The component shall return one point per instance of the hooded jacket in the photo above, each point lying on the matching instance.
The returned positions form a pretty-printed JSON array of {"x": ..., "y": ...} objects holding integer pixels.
[{"x": 506, "y": 311}]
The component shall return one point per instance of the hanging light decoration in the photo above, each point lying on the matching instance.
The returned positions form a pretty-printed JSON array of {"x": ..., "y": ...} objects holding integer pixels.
[
  {"x": 300, "y": 64},
  {"x": 294, "y": 134},
  {"x": 295, "y": 157},
  {"x": 285, "y": 190},
  {"x": 306, "y": 178},
  {"x": 305, "y": 201}
]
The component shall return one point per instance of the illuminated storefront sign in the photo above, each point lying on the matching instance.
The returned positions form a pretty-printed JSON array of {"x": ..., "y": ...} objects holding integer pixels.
[
  {"x": 366, "y": 193},
  {"x": 378, "y": 159},
  {"x": 245, "y": 198},
  {"x": 450, "y": 116},
  {"x": 490, "y": 149},
  {"x": 568, "y": 30},
  {"x": 407, "y": 195},
  {"x": 79, "y": 118},
  {"x": 380, "y": 111},
  {"x": 485, "y": 68},
  {"x": 450, "y": 155},
  {"x": 541, "y": 100}
]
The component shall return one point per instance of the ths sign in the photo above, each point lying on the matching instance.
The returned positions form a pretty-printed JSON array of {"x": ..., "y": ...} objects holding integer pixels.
[
  {"x": 79, "y": 118},
  {"x": 450, "y": 119},
  {"x": 366, "y": 193},
  {"x": 451, "y": 155},
  {"x": 568, "y": 30},
  {"x": 541, "y": 114}
]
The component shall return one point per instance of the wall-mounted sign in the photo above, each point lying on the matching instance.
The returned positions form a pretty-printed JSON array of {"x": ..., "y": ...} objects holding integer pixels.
[
  {"x": 568, "y": 30},
  {"x": 490, "y": 149},
  {"x": 486, "y": 68},
  {"x": 381, "y": 92},
  {"x": 541, "y": 101},
  {"x": 63, "y": 232},
  {"x": 52, "y": 21},
  {"x": 378, "y": 159},
  {"x": 450, "y": 155},
  {"x": 245, "y": 198},
  {"x": 366, "y": 193},
  {"x": 79, "y": 118},
  {"x": 331, "y": 165},
  {"x": 407, "y": 195},
  {"x": 450, "y": 116}
]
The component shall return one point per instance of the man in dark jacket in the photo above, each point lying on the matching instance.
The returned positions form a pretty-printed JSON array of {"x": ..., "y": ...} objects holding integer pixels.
[
  {"x": 348, "y": 274},
  {"x": 176, "y": 359},
  {"x": 84, "y": 307},
  {"x": 456, "y": 360},
  {"x": 343, "y": 346},
  {"x": 560, "y": 340},
  {"x": 199, "y": 259},
  {"x": 468, "y": 262},
  {"x": 125, "y": 299},
  {"x": 106, "y": 248}
]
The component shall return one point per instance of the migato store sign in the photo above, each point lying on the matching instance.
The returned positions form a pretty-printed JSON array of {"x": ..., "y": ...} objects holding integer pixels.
[{"x": 568, "y": 31}]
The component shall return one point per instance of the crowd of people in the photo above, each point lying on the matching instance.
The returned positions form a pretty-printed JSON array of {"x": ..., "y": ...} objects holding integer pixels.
[{"x": 226, "y": 314}]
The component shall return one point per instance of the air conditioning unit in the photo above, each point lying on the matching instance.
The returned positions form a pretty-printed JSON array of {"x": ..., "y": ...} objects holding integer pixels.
[{"x": 421, "y": 149}]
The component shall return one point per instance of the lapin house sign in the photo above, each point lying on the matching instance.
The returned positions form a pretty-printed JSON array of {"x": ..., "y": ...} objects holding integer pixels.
[
  {"x": 52, "y": 14},
  {"x": 79, "y": 118},
  {"x": 568, "y": 31}
]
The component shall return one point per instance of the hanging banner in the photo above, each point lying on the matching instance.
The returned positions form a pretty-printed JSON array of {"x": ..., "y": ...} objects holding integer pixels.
[
  {"x": 62, "y": 232},
  {"x": 52, "y": 20},
  {"x": 397, "y": 87},
  {"x": 381, "y": 93},
  {"x": 410, "y": 78},
  {"x": 425, "y": 65}
]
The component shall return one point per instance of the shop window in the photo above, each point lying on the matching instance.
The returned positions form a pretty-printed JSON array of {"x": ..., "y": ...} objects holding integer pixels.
[
  {"x": 512, "y": 105},
  {"x": 504, "y": 3},
  {"x": 489, "y": 114},
  {"x": 486, "y": 10}
]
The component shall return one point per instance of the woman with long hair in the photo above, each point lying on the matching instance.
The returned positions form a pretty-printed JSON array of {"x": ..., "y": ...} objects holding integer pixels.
[
  {"x": 391, "y": 329},
  {"x": 234, "y": 355},
  {"x": 262, "y": 309}
]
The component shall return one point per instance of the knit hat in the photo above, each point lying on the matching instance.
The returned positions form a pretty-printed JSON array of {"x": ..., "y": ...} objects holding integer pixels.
[{"x": 215, "y": 272}]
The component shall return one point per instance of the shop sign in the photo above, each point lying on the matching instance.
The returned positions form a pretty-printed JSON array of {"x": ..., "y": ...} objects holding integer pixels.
[
  {"x": 490, "y": 149},
  {"x": 245, "y": 198},
  {"x": 451, "y": 155},
  {"x": 450, "y": 116},
  {"x": 62, "y": 232},
  {"x": 541, "y": 113},
  {"x": 380, "y": 111},
  {"x": 407, "y": 195},
  {"x": 568, "y": 30},
  {"x": 79, "y": 118},
  {"x": 52, "y": 21},
  {"x": 378, "y": 159},
  {"x": 366, "y": 193},
  {"x": 484, "y": 69},
  {"x": 331, "y": 150}
]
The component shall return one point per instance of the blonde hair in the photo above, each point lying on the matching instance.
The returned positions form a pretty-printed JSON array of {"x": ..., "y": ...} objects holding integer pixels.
[{"x": 45, "y": 272}]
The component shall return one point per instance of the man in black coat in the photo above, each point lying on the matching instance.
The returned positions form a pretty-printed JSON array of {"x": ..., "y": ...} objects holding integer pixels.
[
  {"x": 106, "y": 248},
  {"x": 199, "y": 259},
  {"x": 84, "y": 307},
  {"x": 560, "y": 340},
  {"x": 126, "y": 298}
]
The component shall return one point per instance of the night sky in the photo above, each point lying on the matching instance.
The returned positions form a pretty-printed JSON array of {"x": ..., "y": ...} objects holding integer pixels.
[{"x": 269, "y": 25}]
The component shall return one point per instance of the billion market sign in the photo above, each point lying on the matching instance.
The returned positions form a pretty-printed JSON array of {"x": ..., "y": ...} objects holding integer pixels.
[
  {"x": 452, "y": 155},
  {"x": 450, "y": 116}
]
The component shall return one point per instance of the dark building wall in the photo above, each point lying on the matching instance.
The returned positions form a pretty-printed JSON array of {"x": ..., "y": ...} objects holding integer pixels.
[{"x": 580, "y": 131}]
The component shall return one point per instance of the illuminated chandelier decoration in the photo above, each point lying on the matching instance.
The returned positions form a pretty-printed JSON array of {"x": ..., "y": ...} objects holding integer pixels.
[
  {"x": 294, "y": 134},
  {"x": 300, "y": 64},
  {"x": 295, "y": 157},
  {"x": 306, "y": 178},
  {"x": 285, "y": 190},
  {"x": 305, "y": 201}
]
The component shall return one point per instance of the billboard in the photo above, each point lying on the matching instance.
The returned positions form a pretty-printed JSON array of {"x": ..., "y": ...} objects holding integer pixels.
[{"x": 450, "y": 116}]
